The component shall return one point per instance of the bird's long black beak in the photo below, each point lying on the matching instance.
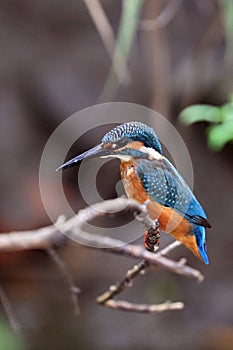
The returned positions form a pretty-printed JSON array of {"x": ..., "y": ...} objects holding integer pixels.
[{"x": 96, "y": 151}]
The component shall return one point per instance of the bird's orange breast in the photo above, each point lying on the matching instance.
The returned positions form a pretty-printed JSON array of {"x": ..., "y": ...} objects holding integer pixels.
[{"x": 170, "y": 221}]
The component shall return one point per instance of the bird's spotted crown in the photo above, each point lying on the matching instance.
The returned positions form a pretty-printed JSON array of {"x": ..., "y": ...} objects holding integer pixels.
[{"x": 135, "y": 131}]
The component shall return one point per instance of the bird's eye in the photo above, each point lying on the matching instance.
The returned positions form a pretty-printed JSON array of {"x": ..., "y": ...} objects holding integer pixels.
[{"x": 121, "y": 142}]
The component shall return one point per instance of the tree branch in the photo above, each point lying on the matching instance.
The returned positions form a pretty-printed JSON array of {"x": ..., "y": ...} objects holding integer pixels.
[
  {"x": 49, "y": 237},
  {"x": 44, "y": 238}
]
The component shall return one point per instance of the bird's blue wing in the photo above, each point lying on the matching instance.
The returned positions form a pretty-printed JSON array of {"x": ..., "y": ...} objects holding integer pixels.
[{"x": 165, "y": 186}]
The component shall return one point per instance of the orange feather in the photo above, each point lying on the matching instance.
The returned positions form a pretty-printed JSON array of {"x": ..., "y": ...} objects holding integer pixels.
[{"x": 169, "y": 220}]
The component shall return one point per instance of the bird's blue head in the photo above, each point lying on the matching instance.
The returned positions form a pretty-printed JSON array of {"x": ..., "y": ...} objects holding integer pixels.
[
  {"x": 134, "y": 131},
  {"x": 118, "y": 142}
]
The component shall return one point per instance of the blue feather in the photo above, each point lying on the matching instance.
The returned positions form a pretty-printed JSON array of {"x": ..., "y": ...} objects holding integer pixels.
[
  {"x": 135, "y": 131},
  {"x": 165, "y": 186},
  {"x": 199, "y": 232}
]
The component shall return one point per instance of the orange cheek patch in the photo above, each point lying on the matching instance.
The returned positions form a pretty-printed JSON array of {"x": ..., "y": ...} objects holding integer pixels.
[{"x": 135, "y": 145}]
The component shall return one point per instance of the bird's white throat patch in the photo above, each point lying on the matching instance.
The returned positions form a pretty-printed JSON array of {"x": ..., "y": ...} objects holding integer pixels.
[
  {"x": 123, "y": 157},
  {"x": 152, "y": 153}
]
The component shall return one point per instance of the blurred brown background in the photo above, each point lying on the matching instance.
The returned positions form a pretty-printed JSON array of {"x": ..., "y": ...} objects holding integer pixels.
[{"x": 54, "y": 63}]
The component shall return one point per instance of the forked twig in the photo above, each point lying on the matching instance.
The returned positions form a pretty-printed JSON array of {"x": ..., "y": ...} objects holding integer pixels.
[{"x": 106, "y": 298}]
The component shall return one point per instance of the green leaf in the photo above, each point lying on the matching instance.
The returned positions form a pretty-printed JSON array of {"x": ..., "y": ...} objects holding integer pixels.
[
  {"x": 227, "y": 112},
  {"x": 219, "y": 135},
  {"x": 199, "y": 113}
]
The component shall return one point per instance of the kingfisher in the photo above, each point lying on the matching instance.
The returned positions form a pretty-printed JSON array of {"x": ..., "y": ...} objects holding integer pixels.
[{"x": 149, "y": 177}]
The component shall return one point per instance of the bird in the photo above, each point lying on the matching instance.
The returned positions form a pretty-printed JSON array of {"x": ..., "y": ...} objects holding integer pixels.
[{"x": 149, "y": 177}]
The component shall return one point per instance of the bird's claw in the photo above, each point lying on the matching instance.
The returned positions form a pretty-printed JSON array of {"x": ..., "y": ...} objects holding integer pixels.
[{"x": 151, "y": 238}]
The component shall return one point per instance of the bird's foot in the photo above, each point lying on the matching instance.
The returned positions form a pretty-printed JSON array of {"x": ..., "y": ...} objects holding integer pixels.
[{"x": 151, "y": 238}]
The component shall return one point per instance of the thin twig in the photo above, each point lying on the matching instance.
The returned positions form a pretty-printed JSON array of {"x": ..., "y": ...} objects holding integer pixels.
[
  {"x": 144, "y": 308},
  {"x": 126, "y": 34},
  {"x": 126, "y": 281},
  {"x": 106, "y": 298},
  {"x": 9, "y": 311},
  {"x": 169, "y": 248},
  {"x": 73, "y": 289},
  {"x": 163, "y": 19},
  {"x": 106, "y": 33},
  {"x": 139, "y": 252}
]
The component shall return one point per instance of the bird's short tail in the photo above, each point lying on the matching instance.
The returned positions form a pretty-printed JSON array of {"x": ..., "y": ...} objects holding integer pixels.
[{"x": 200, "y": 238}]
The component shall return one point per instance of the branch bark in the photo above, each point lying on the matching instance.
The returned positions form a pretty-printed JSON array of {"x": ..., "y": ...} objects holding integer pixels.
[
  {"x": 63, "y": 231},
  {"x": 144, "y": 308},
  {"x": 57, "y": 234}
]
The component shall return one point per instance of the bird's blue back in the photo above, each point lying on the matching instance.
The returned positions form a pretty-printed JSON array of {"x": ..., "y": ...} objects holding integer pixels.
[{"x": 164, "y": 185}]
